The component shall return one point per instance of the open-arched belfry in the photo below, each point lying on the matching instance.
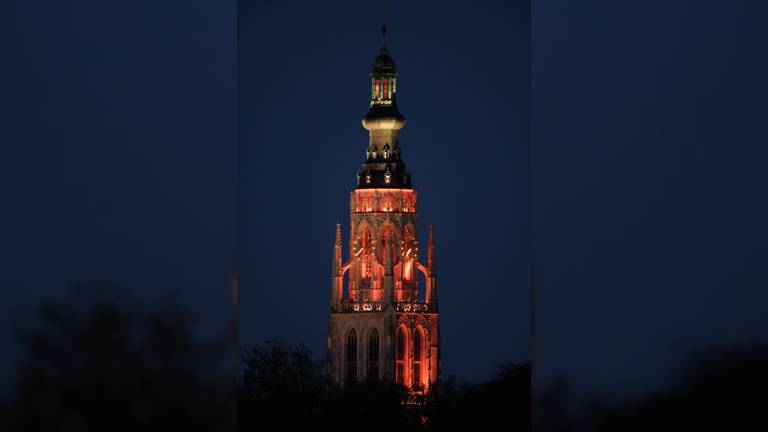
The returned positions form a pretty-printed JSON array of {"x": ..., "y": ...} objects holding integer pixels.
[{"x": 384, "y": 318}]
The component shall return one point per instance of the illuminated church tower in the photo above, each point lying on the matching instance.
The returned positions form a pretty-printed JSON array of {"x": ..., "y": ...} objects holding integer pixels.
[{"x": 384, "y": 320}]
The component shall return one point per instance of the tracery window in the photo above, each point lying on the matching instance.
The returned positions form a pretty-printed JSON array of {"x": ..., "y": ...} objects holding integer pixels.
[
  {"x": 373, "y": 355},
  {"x": 408, "y": 260},
  {"x": 365, "y": 255},
  {"x": 387, "y": 232},
  {"x": 400, "y": 357},
  {"x": 417, "y": 360},
  {"x": 352, "y": 357}
]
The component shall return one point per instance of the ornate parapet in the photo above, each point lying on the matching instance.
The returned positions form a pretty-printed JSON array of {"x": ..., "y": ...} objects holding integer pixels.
[
  {"x": 411, "y": 307},
  {"x": 350, "y": 306},
  {"x": 383, "y": 201},
  {"x": 353, "y": 306}
]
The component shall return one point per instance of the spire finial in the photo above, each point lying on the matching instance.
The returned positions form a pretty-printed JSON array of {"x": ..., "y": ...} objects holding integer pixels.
[
  {"x": 383, "y": 22},
  {"x": 431, "y": 259}
]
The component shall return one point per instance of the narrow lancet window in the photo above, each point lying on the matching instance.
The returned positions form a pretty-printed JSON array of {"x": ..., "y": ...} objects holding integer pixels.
[
  {"x": 417, "y": 352},
  {"x": 352, "y": 357},
  {"x": 400, "y": 357},
  {"x": 373, "y": 356}
]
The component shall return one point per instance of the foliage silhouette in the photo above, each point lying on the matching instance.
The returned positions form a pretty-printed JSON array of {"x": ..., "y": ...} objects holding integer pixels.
[
  {"x": 283, "y": 389},
  {"x": 100, "y": 365},
  {"x": 503, "y": 402}
]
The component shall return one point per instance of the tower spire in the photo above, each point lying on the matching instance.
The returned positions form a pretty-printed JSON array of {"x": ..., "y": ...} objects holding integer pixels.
[
  {"x": 383, "y": 166},
  {"x": 384, "y": 286},
  {"x": 337, "y": 286},
  {"x": 337, "y": 251},
  {"x": 431, "y": 261},
  {"x": 432, "y": 279}
]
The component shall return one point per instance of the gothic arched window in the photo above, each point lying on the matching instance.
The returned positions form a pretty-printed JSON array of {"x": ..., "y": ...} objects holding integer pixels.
[
  {"x": 373, "y": 355},
  {"x": 352, "y": 357},
  {"x": 387, "y": 233},
  {"x": 365, "y": 255},
  {"x": 417, "y": 358},
  {"x": 408, "y": 263},
  {"x": 400, "y": 357}
]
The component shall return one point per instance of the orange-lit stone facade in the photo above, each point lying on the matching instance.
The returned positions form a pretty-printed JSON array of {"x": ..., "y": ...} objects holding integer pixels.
[{"x": 384, "y": 320}]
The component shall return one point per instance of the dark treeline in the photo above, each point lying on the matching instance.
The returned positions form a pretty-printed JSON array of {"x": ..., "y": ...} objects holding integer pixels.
[
  {"x": 96, "y": 363},
  {"x": 284, "y": 389},
  {"x": 720, "y": 389},
  {"x": 100, "y": 362},
  {"x": 96, "y": 360}
]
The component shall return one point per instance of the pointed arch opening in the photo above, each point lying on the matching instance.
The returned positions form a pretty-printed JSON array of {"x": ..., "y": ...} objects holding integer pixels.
[
  {"x": 419, "y": 359},
  {"x": 364, "y": 255},
  {"x": 373, "y": 355},
  {"x": 387, "y": 234},
  {"x": 401, "y": 356},
  {"x": 408, "y": 269},
  {"x": 351, "y": 358}
]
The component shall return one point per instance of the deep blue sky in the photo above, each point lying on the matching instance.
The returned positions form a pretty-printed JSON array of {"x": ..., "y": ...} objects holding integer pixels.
[
  {"x": 118, "y": 141},
  {"x": 464, "y": 90},
  {"x": 118, "y": 132},
  {"x": 649, "y": 185}
]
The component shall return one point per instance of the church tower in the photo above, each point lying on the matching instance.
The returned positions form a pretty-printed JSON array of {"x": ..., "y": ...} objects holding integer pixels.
[{"x": 384, "y": 316}]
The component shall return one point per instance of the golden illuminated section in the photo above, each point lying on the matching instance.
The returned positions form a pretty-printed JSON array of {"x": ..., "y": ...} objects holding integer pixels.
[{"x": 383, "y": 201}]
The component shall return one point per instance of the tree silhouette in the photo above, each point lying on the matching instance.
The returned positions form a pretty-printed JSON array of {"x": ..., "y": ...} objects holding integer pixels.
[
  {"x": 372, "y": 406},
  {"x": 284, "y": 389},
  {"x": 103, "y": 366},
  {"x": 502, "y": 402}
]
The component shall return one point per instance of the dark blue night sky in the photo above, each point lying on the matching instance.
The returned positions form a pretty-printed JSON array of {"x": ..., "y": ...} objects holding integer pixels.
[
  {"x": 463, "y": 89},
  {"x": 649, "y": 171},
  {"x": 121, "y": 161},
  {"x": 118, "y": 134}
]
